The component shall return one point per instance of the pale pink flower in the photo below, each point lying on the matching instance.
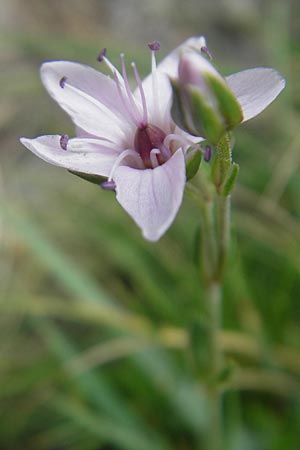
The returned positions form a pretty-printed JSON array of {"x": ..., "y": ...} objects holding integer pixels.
[{"x": 128, "y": 137}]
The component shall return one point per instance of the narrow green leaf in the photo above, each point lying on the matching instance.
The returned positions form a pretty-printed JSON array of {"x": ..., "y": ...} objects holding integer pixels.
[
  {"x": 105, "y": 428},
  {"x": 73, "y": 278}
]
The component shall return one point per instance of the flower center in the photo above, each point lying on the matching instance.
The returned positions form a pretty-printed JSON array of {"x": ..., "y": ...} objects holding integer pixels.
[{"x": 149, "y": 143}]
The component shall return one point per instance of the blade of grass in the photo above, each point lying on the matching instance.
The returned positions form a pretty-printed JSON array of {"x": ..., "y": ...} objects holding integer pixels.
[
  {"x": 96, "y": 387},
  {"x": 105, "y": 429},
  {"x": 73, "y": 278}
]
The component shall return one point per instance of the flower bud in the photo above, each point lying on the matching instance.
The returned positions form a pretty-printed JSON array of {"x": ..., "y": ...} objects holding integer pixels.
[{"x": 203, "y": 103}]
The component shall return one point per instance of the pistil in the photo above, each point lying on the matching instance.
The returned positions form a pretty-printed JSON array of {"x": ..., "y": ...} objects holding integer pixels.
[{"x": 146, "y": 139}]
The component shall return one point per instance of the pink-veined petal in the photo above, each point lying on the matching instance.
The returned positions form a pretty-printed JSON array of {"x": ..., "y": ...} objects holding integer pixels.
[
  {"x": 157, "y": 86},
  {"x": 169, "y": 65},
  {"x": 158, "y": 93},
  {"x": 82, "y": 155},
  {"x": 152, "y": 197},
  {"x": 193, "y": 67},
  {"x": 255, "y": 89},
  {"x": 89, "y": 97},
  {"x": 191, "y": 140}
]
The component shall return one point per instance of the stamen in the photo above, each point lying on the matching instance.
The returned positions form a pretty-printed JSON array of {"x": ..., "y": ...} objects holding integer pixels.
[
  {"x": 102, "y": 55},
  {"x": 62, "y": 82},
  {"x": 111, "y": 67},
  {"x": 142, "y": 94},
  {"x": 175, "y": 137},
  {"x": 65, "y": 84},
  {"x": 122, "y": 156},
  {"x": 155, "y": 93},
  {"x": 206, "y": 52},
  {"x": 207, "y": 153},
  {"x": 108, "y": 185},
  {"x": 130, "y": 97},
  {"x": 81, "y": 143},
  {"x": 126, "y": 106},
  {"x": 165, "y": 152},
  {"x": 64, "y": 141},
  {"x": 154, "y": 46},
  {"x": 153, "y": 157}
]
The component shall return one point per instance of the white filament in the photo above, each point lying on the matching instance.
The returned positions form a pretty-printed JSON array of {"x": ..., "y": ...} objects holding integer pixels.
[
  {"x": 153, "y": 157},
  {"x": 121, "y": 157}
]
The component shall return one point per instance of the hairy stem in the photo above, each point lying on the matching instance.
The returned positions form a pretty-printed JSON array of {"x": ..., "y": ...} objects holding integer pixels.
[
  {"x": 223, "y": 206},
  {"x": 214, "y": 431},
  {"x": 215, "y": 245}
]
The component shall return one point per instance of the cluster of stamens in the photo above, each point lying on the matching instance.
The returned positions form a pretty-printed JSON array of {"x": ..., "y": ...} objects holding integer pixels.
[{"x": 152, "y": 147}]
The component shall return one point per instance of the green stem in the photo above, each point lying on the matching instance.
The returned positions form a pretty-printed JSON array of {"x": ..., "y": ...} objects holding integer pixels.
[
  {"x": 213, "y": 294},
  {"x": 215, "y": 244},
  {"x": 209, "y": 248},
  {"x": 214, "y": 431},
  {"x": 224, "y": 216}
]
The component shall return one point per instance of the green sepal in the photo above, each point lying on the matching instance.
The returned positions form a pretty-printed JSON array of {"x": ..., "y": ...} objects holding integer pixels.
[
  {"x": 193, "y": 112},
  {"x": 206, "y": 119},
  {"x": 228, "y": 105},
  {"x": 95, "y": 179},
  {"x": 231, "y": 179},
  {"x": 194, "y": 158}
]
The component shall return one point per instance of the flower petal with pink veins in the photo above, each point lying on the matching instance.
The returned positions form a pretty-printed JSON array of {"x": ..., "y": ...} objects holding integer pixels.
[
  {"x": 157, "y": 85},
  {"x": 158, "y": 93},
  {"x": 89, "y": 97},
  {"x": 152, "y": 197},
  {"x": 255, "y": 89},
  {"x": 82, "y": 155},
  {"x": 169, "y": 65}
]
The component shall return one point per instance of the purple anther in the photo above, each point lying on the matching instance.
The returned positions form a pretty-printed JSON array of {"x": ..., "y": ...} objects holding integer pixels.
[
  {"x": 64, "y": 141},
  {"x": 206, "y": 52},
  {"x": 108, "y": 185},
  {"x": 207, "y": 153},
  {"x": 62, "y": 82},
  {"x": 101, "y": 55},
  {"x": 154, "y": 46}
]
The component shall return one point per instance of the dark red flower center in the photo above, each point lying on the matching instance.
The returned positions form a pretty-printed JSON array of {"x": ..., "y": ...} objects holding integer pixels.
[{"x": 146, "y": 139}]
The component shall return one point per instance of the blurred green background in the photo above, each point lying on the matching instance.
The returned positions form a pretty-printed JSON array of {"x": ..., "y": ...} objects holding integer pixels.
[{"x": 94, "y": 325}]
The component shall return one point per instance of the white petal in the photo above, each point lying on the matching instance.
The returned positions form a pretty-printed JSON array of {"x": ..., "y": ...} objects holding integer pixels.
[
  {"x": 189, "y": 138},
  {"x": 158, "y": 93},
  {"x": 152, "y": 197},
  {"x": 158, "y": 90},
  {"x": 169, "y": 65},
  {"x": 255, "y": 89},
  {"x": 82, "y": 155},
  {"x": 89, "y": 97},
  {"x": 192, "y": 66}
]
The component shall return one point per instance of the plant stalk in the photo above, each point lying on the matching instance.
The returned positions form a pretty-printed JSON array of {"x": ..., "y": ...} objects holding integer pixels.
[
  {"x": 216, "y": 242},
  {"x": 224, "y": 220},
  {"x": 214, "y": 431}
]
